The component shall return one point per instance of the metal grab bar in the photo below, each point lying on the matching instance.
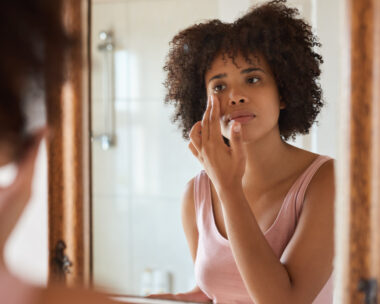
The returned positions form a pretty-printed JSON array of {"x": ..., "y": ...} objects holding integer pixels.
[{"x": 106, "y": 47}]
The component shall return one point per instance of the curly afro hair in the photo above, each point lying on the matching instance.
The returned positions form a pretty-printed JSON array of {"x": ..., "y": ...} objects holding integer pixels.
[{"x": 271, "y": 30}]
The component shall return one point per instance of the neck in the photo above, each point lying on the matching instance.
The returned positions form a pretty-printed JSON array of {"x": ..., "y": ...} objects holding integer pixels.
[{"x": 267, "y": 160}]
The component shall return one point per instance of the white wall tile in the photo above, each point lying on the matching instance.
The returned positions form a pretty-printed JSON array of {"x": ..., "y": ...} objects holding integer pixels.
[
  {"x": 112, "y": 242},
  {"x": 159, "y": 241}
]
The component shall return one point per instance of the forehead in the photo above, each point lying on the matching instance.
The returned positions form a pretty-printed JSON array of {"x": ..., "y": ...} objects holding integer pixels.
[{"x": 222, "y": 64}]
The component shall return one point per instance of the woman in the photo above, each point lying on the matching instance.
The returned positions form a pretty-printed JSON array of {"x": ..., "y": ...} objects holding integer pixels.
[{"x": 259, "y": 218}]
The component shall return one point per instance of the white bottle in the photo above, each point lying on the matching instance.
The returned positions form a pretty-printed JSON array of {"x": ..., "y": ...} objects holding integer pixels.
[
  {"x": 146, "y": 282},
  {"x": 161, "y": 281}
]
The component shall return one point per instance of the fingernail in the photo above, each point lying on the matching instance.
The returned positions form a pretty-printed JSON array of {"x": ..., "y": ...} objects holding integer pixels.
[
  {"x": 237, "y": 127},
  {"x": 212, "y": 99}
]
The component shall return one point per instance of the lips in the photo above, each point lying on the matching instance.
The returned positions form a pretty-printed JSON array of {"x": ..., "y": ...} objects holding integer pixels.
[
  {"x": 243, "y": 119},
  {"x": 240, "y": 115}
]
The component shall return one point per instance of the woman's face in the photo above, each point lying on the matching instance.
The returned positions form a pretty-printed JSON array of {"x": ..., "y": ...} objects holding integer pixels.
[{"x": 250, "y": 88}]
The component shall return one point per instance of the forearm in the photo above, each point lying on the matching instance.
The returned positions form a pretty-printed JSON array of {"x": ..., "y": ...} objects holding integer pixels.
[
  {"x": 266, "y": 279},
  {"x": 198, "y": 292},
  {"x": 195, "y": 295}
]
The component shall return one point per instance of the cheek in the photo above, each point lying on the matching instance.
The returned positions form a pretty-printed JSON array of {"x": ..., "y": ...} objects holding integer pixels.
[{"x": 270, "y": 102}]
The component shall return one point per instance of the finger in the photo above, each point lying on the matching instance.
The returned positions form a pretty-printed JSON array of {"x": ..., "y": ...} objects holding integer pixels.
[
  {"x": 30, "y": 153},
  {"x": 195, "y": 152},
  {"x": 193, "y": 149},
  {"x": 27, "y": 162},
  {"x": 205, "y": 122},
  {"x": 196, "y": 135},
  {"x": 215, "y": 130},
  {"x": 236, "y": 141}
]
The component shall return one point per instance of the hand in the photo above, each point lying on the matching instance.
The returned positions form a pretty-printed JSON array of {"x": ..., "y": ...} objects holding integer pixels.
[
  {"x": 14, "y": 198},
  {"x": 224, "y": 165}
]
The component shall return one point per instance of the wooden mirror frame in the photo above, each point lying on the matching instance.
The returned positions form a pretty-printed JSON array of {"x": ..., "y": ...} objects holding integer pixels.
[
  {"x": 69, "y": 157},
  {"x": 357, "y": 258},
  {"x": 358, "y": 205}
]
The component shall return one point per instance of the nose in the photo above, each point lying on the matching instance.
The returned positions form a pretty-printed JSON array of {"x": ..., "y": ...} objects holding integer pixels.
[
  {"x": 237, "y": 98},
  {"x": 241, "y": 100}
]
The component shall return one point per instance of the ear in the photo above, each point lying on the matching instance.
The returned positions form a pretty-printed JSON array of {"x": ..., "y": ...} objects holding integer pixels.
[{"x": 282, "y": 104}]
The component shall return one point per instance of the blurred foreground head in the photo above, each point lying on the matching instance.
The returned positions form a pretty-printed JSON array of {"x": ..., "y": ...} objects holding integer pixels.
[{"x": 33, "y": 44}]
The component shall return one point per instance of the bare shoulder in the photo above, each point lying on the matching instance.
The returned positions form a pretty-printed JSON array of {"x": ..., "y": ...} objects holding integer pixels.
[
  {"x": 323, "y": 179},
  {"x": 320, "y": 197},
  {"x": 322, "y": 183}
]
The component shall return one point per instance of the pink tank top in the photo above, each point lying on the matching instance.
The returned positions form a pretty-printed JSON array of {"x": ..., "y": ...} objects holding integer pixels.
[{"x": 216, "y": 272}]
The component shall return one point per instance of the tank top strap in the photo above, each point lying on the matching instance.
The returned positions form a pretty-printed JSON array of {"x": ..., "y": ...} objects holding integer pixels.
[
  {"x": 305, "y": 180},
  {"x": 200, "y": 184},
  {"x": 201, "y": 195}
]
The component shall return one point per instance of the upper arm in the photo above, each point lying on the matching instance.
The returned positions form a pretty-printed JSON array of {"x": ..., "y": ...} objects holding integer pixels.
[
  {"x": 189, "y": 219},
  {"x": 309, "y": 255},
  {"x": 189, "y": 224}
]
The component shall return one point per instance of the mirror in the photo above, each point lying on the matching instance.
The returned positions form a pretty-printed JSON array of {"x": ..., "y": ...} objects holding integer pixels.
[{"x": 140, "y": 163}]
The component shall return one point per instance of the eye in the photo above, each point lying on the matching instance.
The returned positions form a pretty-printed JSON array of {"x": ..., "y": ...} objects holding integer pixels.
[
  {"x": 253, "y": 79},
  {"x": 219, "y": 88}
]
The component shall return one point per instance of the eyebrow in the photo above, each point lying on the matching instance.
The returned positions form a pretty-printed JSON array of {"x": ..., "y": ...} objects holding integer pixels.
[{"x": 245, "y": 71}]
